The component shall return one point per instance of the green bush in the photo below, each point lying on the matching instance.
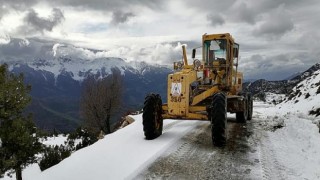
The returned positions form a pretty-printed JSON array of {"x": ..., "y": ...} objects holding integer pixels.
[
  {"x": 87, "y": 138},
  {"x": 53, "y": 156}
]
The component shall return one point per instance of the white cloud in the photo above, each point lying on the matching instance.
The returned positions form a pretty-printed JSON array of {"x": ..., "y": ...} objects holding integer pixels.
[
  {"x": 4, "y": 38},
  {"x": 215, "y": 19},
  {"x": 162, "y": 53},
  {"x": 24, "y": 43},
  {"x": 276, "y": 24},
  {"x": 55, "y": 48}
]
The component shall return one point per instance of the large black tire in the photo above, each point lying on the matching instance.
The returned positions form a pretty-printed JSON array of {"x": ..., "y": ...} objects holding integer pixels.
[
  {"x": 218, "y": 118},
  {"x": 152, "y": 116},
  {"x": 250, "y": 107},
  {"x": 243, "y": 115}
]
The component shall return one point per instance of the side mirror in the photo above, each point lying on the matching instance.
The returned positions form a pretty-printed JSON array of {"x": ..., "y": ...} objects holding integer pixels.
[
  {"x": 235, "y": 52},
  {"x": 193, "y": 53}
]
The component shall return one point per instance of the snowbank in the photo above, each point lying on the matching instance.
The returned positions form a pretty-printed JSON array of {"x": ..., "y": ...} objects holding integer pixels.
[
  {"x": 118, "y": 156},
  {"x": 295, "y": 146}
]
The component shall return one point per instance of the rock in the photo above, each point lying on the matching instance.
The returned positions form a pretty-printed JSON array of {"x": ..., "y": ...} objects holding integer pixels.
[{"x": 127, "y": 120}]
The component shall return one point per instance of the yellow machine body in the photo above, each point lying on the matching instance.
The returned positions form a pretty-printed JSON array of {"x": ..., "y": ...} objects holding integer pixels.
[{"x": 191, "y": 86}]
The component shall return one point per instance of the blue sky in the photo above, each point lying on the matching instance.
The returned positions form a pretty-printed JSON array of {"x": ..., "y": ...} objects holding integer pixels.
[{"x": 276, "y": 37}]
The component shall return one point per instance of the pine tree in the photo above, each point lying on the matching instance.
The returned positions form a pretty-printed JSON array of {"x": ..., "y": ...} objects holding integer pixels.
[{"x": 18, "y": 134}]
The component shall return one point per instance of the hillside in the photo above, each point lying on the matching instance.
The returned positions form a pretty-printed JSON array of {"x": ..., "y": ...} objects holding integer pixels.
[{"x": 305, "y": 96}]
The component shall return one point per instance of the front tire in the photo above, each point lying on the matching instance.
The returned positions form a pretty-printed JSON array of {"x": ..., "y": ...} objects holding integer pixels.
[
  {"x": 152, "y": 116},
  {"x": 218, "y": 118}
]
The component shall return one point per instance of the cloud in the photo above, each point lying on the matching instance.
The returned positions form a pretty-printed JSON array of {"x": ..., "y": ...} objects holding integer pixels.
[
  {"x": 20, "y": 5},
  {"x": 243, "y": 13},
  {"x": 276, "y": 25},
  {"x": 273, "y": 67},
  {"x": 24, "y": 50},
  {"x": 215, "y": 19},
  {"x": 34, "y": 23},
  {"x": 109, "y": 5},
  {"x": 31, "y": 49},
  {"x": 4, "y": 38},
  {"x": 3, "y": 11},
  {"x": 210, "y": 5},
  {"x": 119, "y": 17}
]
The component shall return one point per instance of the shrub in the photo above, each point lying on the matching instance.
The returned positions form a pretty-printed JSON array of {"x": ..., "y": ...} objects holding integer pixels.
[
  {"x": 315, "y": 112},
  {"x": 87, "y": 138},
  {"x": 53, "y": 156},
  {"x": 307, "y": 95}
]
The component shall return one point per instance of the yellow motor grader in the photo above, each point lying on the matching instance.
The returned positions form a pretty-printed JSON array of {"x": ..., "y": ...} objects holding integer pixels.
[{"x": 205, "y": 90}]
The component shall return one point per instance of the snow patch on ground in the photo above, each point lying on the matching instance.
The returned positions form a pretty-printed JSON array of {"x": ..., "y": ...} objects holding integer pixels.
[
  {"x": 272, "y": 97},
  {"x": 296, "y": 145},
  {"x": 55, "y": 140}
]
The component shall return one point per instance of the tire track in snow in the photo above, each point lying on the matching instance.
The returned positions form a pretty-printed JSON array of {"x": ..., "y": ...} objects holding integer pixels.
[
  {"x": 194, "y": 157},
  {"x": 271, "y": 168},
  {"x": 173, "y": 161},
  {"x": 170, "y": 125}
]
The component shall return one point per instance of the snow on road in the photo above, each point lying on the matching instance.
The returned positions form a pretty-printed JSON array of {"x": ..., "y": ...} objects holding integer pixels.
[
  {"x": 293, "y": 151},
  {"x": 272, "y": 146}
]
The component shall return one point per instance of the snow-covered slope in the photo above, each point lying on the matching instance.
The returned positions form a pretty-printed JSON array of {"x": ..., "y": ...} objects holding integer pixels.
[
  {"x": 274, "y": 98},
  {"x": 305, "y": 96}
]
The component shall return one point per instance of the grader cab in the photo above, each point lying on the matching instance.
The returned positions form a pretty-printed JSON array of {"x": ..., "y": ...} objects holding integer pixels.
[{"x": 205, "y": 90}]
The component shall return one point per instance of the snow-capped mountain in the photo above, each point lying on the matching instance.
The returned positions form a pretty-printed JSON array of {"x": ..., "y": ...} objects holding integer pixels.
[
  {"x": 57, "y": 85},
  {"x": 79, "y": 69}
]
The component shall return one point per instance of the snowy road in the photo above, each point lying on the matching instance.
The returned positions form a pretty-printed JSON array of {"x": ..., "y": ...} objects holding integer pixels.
[
  {"x": 194, "y": 157},
  {"x": 260, "y": 149}
]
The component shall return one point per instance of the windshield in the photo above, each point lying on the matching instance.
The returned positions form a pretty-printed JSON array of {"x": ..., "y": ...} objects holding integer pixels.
[{"x": 215, "y": 50}]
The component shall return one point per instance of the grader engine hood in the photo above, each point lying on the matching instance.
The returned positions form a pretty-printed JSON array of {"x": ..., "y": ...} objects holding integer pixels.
[{"x": 178, "y": 92}]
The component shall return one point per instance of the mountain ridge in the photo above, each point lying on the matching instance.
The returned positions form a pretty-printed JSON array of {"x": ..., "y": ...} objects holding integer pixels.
[
  {"x": 279, "y": 87},
  {"x": 57, "y": 85}
]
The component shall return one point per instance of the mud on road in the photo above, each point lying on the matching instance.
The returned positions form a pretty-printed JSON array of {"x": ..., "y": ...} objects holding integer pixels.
[{"x": 194, "y": 157}]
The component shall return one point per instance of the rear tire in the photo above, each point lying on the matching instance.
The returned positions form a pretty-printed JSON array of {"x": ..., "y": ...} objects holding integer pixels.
[
  {"x": 243, "y": 115},
  {"x": 250, "y": 107},
  {"x": 152, "y": 116},
  {"x": 218, "y": 118}
]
